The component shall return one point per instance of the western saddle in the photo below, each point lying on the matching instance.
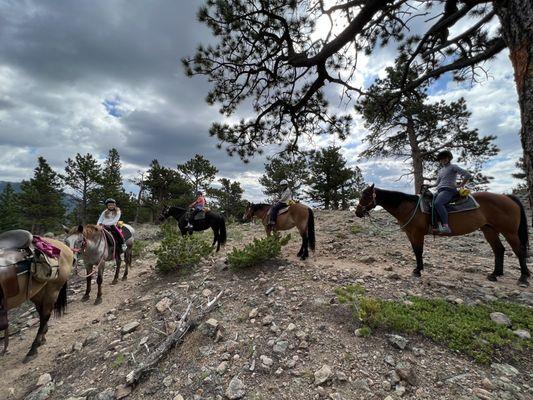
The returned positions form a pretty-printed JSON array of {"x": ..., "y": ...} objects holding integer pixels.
[{"x": 15, "y": 259}]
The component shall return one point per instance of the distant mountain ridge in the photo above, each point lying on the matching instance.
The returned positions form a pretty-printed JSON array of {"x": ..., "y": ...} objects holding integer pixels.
[{"x": 69, "y": 201}]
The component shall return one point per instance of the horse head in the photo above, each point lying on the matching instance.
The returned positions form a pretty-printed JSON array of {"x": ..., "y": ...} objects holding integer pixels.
[
  {"x": 75, "y": 239},
  {"x": 248, "y": 212},
  {"x": 367, "y": 201},
  {"x": 165, "y": 213}
]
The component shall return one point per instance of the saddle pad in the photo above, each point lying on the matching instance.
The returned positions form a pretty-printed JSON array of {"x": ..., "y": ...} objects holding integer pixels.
[
  {"x": 199, "y": 216},
  {"x": 126, "y": 232},
  {"x": 466, "y": 204},
  {"x": 9, "y": 281},
  {"x": 282, "y": 211}
]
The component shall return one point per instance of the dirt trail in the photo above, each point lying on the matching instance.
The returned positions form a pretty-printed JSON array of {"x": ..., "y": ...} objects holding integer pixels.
[{"x": 279, "y": 324}]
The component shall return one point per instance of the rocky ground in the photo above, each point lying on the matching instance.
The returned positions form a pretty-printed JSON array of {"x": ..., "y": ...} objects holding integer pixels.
[{"x": 279, "y": 332}]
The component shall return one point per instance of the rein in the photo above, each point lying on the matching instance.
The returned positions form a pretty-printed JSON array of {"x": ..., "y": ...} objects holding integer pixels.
[
  {"x": 402, "y": 226},
  {"x": 84, "y": 248}
]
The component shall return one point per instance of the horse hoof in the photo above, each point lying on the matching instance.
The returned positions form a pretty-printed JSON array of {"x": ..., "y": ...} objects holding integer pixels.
[
  {"x": 492, "y": 278},
  {"x": 125, "y": 278},
  {"x": 114, "y": 282},
  {"x": 416, "y": 273},
  {"x": 98, "y": 301},
  {"x": 85, "y": 297},
  {"x": 523, "y": 282},
  {"x": 30, "y": 356}
]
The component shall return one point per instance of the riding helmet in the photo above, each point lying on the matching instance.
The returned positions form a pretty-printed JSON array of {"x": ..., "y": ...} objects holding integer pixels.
[
  {"x": 109, "y": 200},
  {"x": 199, "y": 193},
  {"x": 444, "y": 154},
  {"x": 284, "y": 182}
]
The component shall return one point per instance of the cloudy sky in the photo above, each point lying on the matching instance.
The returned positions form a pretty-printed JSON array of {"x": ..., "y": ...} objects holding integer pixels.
[{"x": 85, "y": 76}]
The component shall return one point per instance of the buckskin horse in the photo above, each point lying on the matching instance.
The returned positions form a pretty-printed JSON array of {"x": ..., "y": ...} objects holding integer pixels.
[
  {"x": 48, "y": 296},
  {"x": 497, "y": 214},
  {"x": 96, "y": 246},
  {"x": 297, "y": 215},
  {"x": 212, "y": 220}
]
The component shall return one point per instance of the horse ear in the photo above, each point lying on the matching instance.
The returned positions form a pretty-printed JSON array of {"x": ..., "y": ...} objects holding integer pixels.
[
  {"x": 65, "y": 228},
  {"x": 372, "y": 187},
  {"x": 80, "y": 228}
]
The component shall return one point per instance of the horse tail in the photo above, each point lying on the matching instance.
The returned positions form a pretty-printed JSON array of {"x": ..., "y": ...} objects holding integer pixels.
[
  {"x": 522, "y": 228},
  {"x": 60, "y": 305},
  {"x": 222, "y": 234},
  {"x": 311, "y": 229}
]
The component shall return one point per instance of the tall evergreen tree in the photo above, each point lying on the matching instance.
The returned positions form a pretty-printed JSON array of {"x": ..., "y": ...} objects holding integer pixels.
[
  {"x": 331, "y": 183},
  {"x": 291, "y": 168},
  {"x": 199, "y": 172},
  {"x": 41, "y": 197},
  {"x": 10, "y": 211},
  {"x": 83, "y": 175},
  {"x": 229, "y": 199},
  {"x": 415, "y": 130}
]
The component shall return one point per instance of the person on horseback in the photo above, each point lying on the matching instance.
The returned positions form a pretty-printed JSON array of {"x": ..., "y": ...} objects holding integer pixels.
[
  {"x": 109, "y": 221},
  {"x": 282, "y": 202},
  {"x": 446, "y": 185},
  {"x": 197, "y": 206}
]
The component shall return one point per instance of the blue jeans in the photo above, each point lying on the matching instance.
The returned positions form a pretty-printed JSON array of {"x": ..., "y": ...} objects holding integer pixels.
[
  {"x": 275, "y": 210},
  {"x": 443, "y": 197}
]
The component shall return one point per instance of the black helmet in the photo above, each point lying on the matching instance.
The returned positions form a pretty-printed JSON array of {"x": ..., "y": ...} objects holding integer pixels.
[
  {"x": 199, "y": 193},
  {"x": 109, "y": 200},
  {"x": 445, "y": 154}
]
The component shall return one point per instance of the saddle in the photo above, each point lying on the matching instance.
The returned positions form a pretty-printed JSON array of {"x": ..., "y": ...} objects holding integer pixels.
[
  {"x": 281, "y": 211},
  {"x": 199, "y": 216},
  {"x": 456, "y": 205}
]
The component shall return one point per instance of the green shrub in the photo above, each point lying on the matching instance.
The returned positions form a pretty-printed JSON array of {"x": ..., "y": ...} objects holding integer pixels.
[
  {"x": 180, "y": 251},
  {"x": 258, "y": 251},
  {"x": 355, "y": 229},
  {"x": 468, "y": 329},
  {"x": 139, "y": 247}
]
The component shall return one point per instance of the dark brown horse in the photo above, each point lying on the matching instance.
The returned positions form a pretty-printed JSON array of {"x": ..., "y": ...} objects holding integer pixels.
[
  {"x": 298, "y": 216},
  {"x": 497, "y": 214}
]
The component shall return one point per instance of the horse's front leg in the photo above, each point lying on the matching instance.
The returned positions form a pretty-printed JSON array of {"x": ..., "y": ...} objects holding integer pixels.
[
  {"x": 417, "y": 243},
  {"x": 88, "y": 271},
  {"x": 118, "y": 261},
  {"x": 99, "y": 280},
  {"x": 128, "y": 255}
]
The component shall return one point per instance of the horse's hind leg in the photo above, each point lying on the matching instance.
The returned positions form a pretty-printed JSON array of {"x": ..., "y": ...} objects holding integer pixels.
[
  {"x": 521, "y": 252},
  {"x": 45, "y": 310},
  {"x": 127, "y": 260},
  {"x": 118, "y": 261},
  {"x": 99, "y": 280},
  {"x": 493, "y": 237},
  {"x": 417, "y": 243},
  {"x": 88, "y": 280}
]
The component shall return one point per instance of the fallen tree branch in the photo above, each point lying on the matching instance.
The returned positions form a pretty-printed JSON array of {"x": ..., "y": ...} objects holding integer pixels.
[{"x": 164, "y": 347}]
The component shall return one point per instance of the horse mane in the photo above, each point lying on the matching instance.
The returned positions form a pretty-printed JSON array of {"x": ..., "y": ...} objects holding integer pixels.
[
  {"x": 177, "y": 208},
  {"x": 89, "y": 230},
  {"x": 393, "y": 198},
  {"x": 259, "y": 206}
]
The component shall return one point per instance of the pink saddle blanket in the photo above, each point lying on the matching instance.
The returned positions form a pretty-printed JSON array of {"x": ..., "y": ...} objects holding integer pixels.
[{"x": 46, "y": 248}]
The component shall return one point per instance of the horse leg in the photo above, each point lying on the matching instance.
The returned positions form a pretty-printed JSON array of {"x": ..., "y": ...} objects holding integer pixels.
[
  {"x": 215, "y": 239},
  {"x": 88, "y": 270},
  {"x": 118, "y": 261},
  {"x": 44, "y": 310},
  {"x": 99, "y": 280},
  {"x": 493, "y": 237},
  {"x": 301, "y": 251},
  {"x": 417, "y": 243},
  {"x": 127, "y": 261},
  {"x": 520, "y": 251}
]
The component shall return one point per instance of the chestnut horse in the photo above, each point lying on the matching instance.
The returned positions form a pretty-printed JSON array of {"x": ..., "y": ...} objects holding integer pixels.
[
  {"x": 91, "y": 242},
  {"x": 497, "y": 214},
  {"x": 47, "y": 297},
  {"x": 297, "y": 215}
]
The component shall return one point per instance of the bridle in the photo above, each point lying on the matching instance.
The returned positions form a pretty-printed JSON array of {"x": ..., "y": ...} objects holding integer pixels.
[{"x": 372, "y": 204}]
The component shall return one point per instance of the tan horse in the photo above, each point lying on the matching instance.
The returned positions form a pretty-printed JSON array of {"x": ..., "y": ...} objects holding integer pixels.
[
  {"x": 298, "y": 216},
  {"x": 497, "y": 214},
  {"x": 48, "y": 296}
]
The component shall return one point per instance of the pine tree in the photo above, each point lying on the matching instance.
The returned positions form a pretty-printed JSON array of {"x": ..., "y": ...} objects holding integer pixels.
[
  {"x": 199, "y": 172},
  {"x": 82, "y": 175},
  {"x": 41, "y": 199},
  {"x": 415, "y": 130},
  {"x": 229, "y": 199},
  {"x": 293, "y": 169},
  {"x": 11, "y": 215},
  {"x": 331, "y": 183}
]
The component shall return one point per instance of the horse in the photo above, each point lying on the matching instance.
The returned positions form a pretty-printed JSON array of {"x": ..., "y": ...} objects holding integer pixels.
[
  {"x": 91, "y": 242},
  {"x": 497, "y": 214},
  {"x": 297, "y": 215},
  {"x": 47, "y": 296},
  {"x": 212, "y": 220}
]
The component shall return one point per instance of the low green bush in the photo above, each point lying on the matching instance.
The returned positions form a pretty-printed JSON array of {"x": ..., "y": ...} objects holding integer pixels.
[
  {"x": 258, "y": 251},
  {"x": 178, "y": 251},
  {"x": 139, "y": 246},
  {"x": 465, "y": 328}
]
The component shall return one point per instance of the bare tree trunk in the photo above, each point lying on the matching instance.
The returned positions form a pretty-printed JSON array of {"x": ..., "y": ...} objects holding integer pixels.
[
  {"x": 416, "y": 155},
  {"x": 139, "y": 197},
  {"x": 516, "y": 17},
  {"x": 84, "y": 204}
]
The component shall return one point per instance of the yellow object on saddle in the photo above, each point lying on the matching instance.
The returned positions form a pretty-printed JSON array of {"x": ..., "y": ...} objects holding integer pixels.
[
  {"x": 120, "y": 224},
  {"x": 291, "y": 202},
  {"x": 464, "y": 192}
]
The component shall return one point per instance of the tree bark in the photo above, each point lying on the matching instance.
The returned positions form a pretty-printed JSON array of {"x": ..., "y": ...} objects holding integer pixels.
[
  {"x": 516, "y": 17},
  {"x": 416, "y": 155},
  {"x": 84, "y": 204}
]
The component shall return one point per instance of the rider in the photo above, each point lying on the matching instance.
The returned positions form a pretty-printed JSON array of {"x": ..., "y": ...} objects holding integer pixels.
[
  {"x": 109, "y": 220},
  {"x": 447, "y": 186},
  {"x": 282, "y": 202},
  {"x": 197, "y": 206}
]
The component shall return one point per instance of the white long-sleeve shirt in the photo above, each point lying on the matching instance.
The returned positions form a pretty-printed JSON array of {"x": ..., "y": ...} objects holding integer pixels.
[
  {"x": 111, "y": 220},
  {"x": 286, "y": 196}
]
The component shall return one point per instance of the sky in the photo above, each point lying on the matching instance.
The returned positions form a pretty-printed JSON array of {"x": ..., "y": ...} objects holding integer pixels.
[{"x": 86, "y": 76}]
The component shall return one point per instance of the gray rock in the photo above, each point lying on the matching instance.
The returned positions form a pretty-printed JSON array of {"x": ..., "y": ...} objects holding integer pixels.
[
  {"x": 281, "y": 346},
  {"x": 130, "y": 327},
  {"x": 500, "y": 318},
  {"x": 482, "y": 394},
  {"x": 400, "y": 390},
  {"x": 398, "y": 341},
  {"x": 42, "y": 393},
  {"x": 168, "y": 381},
  {"x": 108, "y": 394},
  {"x": 91, "y": 338},
  {"x": 235, "y": 389},
  {"x": 323, "y": 375},
  {"x": 526, "y": 297},
  {"x": 163, "y": 305},
  {"x": 44, "y": 379},
  {"x": 390, "y": 360},
  {"x": 222, "y": 367},
  {"x": 267, "y": 320},
  {"x": 210, "y": 327},
  {"x": 505, "y": 369},
  {"x": 522, "y": 334},
  {"x": 361, "y": 384},
  {"x": 407, "y": 374},
  {"x": 122, "y": 391},
  {"x": 253, "y": 313},
  {"x": 266, "y": 361}
]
